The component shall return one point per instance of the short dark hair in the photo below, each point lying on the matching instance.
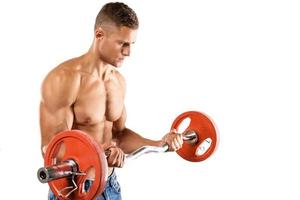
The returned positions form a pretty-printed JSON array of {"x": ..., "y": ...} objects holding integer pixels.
[{"x": 118, "y": 14}]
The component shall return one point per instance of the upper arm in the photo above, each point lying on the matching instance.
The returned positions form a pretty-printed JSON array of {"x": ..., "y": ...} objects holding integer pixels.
[{"x": 59, "y": 91}]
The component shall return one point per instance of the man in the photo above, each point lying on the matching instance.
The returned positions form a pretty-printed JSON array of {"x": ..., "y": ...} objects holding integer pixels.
[{"x": 87, "y": 93}]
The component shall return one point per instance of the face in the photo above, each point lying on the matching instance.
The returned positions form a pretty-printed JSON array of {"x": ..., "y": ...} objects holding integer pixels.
[{"x": 114, "y": 45}]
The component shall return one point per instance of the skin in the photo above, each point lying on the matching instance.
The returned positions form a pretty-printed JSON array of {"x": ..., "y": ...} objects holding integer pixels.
[{"x": 87, "y": 93}]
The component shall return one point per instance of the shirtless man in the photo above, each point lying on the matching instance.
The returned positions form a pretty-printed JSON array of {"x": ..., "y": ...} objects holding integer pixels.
[{"x": 87, "y": 93}]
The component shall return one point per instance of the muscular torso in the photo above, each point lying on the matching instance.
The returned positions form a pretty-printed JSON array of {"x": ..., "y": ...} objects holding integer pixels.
[
  {"x": 98, "y": 104},
  {"x": 76, "y": 95}
]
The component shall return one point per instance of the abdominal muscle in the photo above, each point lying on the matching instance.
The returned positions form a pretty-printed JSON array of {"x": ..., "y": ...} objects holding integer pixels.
[{"x": 102, "y": 134}]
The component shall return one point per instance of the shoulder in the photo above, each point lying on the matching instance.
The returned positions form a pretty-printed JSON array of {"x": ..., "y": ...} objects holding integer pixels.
[
  {"x": 61, "y": 84},
  {"x": 63, "y": 76}
]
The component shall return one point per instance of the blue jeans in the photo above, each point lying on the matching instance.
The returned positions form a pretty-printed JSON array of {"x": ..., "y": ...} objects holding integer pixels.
[{"x": 112, "y": 189}]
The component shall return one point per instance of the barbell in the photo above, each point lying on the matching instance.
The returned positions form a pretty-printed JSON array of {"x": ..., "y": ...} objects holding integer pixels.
[{"x": 67, "y": 173}]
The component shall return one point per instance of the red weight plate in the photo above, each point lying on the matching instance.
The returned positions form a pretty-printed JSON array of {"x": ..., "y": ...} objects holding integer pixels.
[
  {"x": 83, "y": 149},
  {"x": 206, "y": 132}
]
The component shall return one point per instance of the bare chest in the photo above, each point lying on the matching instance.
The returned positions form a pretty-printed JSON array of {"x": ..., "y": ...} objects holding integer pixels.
[{"x": 99, "y": 101}]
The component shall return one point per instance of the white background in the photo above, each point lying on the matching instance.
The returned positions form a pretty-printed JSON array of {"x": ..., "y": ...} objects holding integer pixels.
[{"x": 235, "y": 60}]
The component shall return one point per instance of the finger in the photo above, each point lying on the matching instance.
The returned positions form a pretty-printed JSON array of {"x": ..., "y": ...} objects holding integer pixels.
[
  {"x": 176, "y": 144},
  {"x": 119, "y": 158},
  {"x": 173, "y": 146},
  {"x": 112, "y": 157},
  {"x": 123, "y": 158},
  {"x": 116, "y": 158},
  {"x": 109, "y": 145},
  {"x": 44, "y": 149},
  {"x": 179, "y": 140},
  {"x": 174, "y": 130}
]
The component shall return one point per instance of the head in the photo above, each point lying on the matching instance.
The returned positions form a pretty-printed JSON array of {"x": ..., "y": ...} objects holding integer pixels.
[{"x": 115, "y": 31}]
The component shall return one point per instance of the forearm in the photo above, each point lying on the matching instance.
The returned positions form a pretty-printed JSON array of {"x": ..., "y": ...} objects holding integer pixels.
[{"x": 130, "y": 141}]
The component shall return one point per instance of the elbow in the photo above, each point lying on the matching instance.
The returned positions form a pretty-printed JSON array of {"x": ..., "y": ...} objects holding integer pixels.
[{"x": 118, "y": 135}]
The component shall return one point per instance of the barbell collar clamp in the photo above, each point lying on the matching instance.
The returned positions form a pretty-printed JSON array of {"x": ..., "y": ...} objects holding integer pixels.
[{"x": 54, "y": 172}]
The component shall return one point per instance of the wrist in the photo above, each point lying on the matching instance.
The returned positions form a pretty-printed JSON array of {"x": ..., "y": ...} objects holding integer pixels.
[{"x": 161, "y": 143}]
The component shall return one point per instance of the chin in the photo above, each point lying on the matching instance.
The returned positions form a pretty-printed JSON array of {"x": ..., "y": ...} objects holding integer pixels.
[{"x": 118, "y": 64}]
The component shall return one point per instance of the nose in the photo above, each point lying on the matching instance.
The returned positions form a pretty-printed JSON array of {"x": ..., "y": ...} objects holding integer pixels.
[{"x": 126, "y": 51}]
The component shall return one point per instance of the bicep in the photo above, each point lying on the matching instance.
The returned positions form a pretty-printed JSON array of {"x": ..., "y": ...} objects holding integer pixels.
[{"x": 56, "y": 112}]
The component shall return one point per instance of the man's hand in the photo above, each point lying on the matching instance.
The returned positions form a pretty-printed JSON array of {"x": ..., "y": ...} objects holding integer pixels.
[
  {"x": 115, "y": 156},
  {"x": 173, "y": 139},
  {"x": 44, "y": 149}
]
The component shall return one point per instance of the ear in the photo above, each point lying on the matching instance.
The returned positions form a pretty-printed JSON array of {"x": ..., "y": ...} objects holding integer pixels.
[{"x": 99, "y": 33}]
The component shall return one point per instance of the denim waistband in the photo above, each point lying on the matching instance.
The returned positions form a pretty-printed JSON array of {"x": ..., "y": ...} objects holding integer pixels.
[
  {"x": 112, "y": 177},
  {"x": 111, "y": 181}
]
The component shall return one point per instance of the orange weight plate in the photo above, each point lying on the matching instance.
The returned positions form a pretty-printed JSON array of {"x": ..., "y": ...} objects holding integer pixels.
[
  {"x": 88, "y": 155},
  {"x": 206, "y": 133}
]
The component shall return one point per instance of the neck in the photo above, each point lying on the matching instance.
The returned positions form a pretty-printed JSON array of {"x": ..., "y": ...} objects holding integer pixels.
[{"x": 94, "y": 62}]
